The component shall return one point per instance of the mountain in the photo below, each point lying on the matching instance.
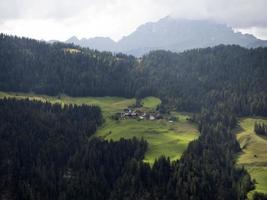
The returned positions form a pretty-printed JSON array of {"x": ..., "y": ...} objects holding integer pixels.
[
  {"x": 179, "y": 35},
  {"x": 73, "y": 40},
  {"x": 172, "y": 34},
  {"x": 99, "y": 43}
]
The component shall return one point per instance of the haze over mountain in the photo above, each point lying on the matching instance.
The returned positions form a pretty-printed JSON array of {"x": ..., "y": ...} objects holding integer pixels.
[
  {"x": 99, "y": 43},
  {"x": 172, "y": 34}
]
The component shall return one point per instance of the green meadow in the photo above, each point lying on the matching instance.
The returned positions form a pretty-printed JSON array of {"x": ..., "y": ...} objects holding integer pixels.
[
  {"x": 108, "y": 105},
  {"x": 150, "y": 102},
  {"x": 163, "y": 137},
  {"x": 254, "y": 152}
]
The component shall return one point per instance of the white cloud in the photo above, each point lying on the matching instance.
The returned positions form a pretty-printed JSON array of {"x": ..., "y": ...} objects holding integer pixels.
[
  {"x": 259, "y": 32},
  {"x": 60, "y": 19}
]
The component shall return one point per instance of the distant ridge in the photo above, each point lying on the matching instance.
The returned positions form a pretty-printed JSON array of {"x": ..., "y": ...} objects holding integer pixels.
[
  {"x": 99, "y": 43},
  {"x": 172, "y": 34}
]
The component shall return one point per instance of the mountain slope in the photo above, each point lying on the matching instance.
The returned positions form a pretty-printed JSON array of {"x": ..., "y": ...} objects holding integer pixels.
[{"x": 172, "y": 34}]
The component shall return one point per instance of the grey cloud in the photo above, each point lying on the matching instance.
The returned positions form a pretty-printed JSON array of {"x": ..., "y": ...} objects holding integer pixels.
[
  {"x": 237, "y": 13},
  {"x": 240, "y": 14},
  {"x": 9, "y": 9},
  {"x": 46, "y": 9}
]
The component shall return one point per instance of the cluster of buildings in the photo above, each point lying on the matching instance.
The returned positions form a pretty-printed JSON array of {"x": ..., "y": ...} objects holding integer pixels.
[{"x": 129, "y": 113}]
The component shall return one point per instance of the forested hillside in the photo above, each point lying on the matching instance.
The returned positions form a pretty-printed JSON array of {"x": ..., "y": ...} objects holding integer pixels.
[
  {"x": 29, "y": 65},
  {"x": 187, "y": 81},
  {"x": 204, "y": 77},
  {"x": 45, "y": 152}
]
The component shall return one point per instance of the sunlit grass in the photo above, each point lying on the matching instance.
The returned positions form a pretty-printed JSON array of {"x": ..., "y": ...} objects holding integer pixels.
[
  {"x": 150, "y": 102},
  {"x": 164, "y": 138},
  {"x": 254, "y": 152}
]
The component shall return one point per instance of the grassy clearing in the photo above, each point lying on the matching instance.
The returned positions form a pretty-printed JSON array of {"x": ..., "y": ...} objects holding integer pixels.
[
  {"x": 150, "y": 102},
  {"x": 108, "y": 105},
  {"x": 181, "y": 116},
  {"x": 254, "y": 152},
  {"x": 164, "y": 138},
  {"x": 72, "y": 50}
]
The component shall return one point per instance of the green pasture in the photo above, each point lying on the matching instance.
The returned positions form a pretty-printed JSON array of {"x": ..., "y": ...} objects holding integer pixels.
[{"x": 254, "y": 152}]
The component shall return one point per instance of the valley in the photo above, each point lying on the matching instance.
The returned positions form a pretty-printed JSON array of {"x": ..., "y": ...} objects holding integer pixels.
[{"x": 164, "y": 137}]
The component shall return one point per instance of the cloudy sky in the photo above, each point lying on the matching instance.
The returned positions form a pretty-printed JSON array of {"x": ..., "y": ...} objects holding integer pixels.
[{"x": 61, "y": 19}]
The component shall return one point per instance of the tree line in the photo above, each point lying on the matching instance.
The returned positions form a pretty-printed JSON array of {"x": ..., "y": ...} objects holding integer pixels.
[
  {"x": 260, "y": 128},
  {"x": 259, "y": 196}
]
